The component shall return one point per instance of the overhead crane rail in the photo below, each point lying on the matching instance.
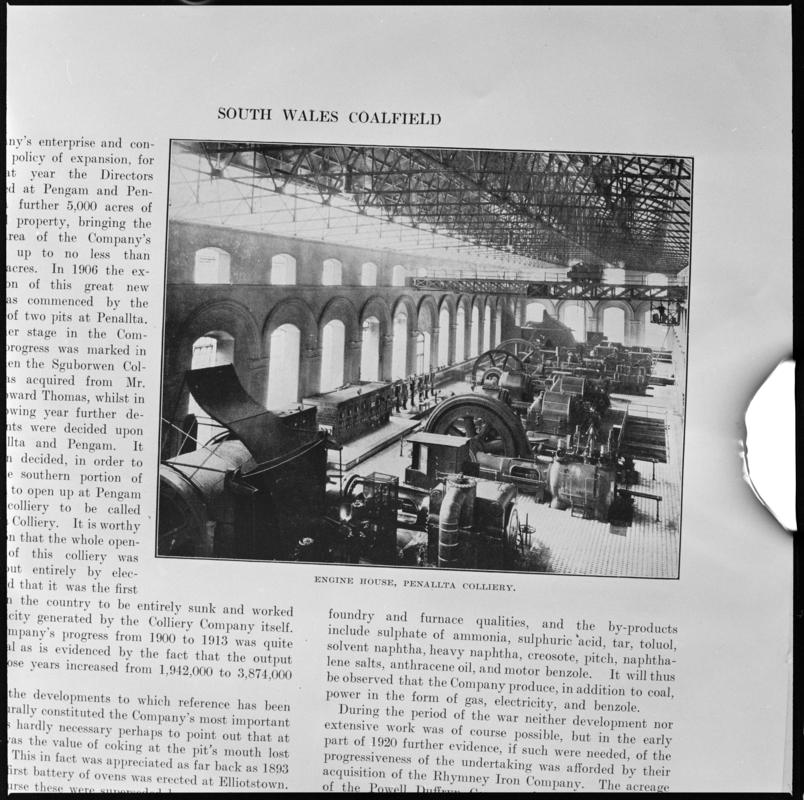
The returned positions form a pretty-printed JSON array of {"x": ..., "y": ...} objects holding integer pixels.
[{"x": 553, "y": 290}]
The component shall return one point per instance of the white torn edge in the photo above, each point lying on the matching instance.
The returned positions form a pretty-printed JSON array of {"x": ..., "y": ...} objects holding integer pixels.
[
  {"x": 769, "y": 451},
  {"x": 769, "y": 468}
]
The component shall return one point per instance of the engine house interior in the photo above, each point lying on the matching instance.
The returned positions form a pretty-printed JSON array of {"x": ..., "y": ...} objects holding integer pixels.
[{"x": 359, "y": 405}]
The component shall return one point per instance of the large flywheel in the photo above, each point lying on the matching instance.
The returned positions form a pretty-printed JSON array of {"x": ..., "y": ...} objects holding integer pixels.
[
  {"x": 492, "y": 364},
  {"x": 528, "y": 352},
  {"x": 491, "y": 425}
]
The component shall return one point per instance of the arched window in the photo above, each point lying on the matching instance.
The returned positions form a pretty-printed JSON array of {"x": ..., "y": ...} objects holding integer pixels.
[
  {"x": 443, "y": 337},
  {"x": 399, "y": 355},
  {"x": 656, "y": 279},
  {"x": 398, "y": 275},
  {"x": 283, "y": 270},
  {"x": 615, "y": 275},
  {"x": 370, "y": 350},
  {"x": 213, "y": 349},
  {"x": 423, "y": 352},
  {"x": 368, "y": 275},
  {"x": 534, "y": 312},
  {"x": 333, "y": 346},
  {"x": 574, "y": 317},
  {"x": 614, "y": 324},
  {"x": 498, "y": 328},
  {"x": 332, "y": 274},
  {"x": 474, "y": 334},
  {"x": 460, "y": 334},
  {"x": 210, "y": 350},
  {"x": 421, "y": 272},
  {"x": 212, "y": 265},
  {"x": 283, "y": 367},
  {"x": 487, "y": 329}
]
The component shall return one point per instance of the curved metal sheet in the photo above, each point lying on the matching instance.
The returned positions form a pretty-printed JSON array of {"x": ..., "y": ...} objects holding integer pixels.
[{"x": 219, "y": 392}]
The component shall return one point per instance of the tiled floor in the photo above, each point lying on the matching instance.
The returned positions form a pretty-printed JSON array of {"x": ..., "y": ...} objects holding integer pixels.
[{"x": 647, "y": 549}]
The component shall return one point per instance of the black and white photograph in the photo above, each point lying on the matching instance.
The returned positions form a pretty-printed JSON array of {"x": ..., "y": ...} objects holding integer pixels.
[{"x": 444, "y": 359}]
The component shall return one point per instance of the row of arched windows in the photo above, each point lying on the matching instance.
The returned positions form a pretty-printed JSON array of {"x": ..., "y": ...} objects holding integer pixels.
[
  {"x": 618, "y": 276},
  {"x": 284, "y": 348},
  {"x": 217, "y": 347},
  {"x": 214, "y": 265},
  {"x": 574, "y": 316}
]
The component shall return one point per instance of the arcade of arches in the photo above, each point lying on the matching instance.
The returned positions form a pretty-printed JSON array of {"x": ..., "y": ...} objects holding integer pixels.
[{"x": 297, "y": 318}]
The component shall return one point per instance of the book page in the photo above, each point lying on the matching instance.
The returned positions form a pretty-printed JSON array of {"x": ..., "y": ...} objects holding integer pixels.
[{"x": 376, "y": 390}]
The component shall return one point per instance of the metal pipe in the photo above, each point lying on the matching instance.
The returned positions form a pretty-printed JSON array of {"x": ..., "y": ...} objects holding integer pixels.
[{"x": 455, "y": 519}]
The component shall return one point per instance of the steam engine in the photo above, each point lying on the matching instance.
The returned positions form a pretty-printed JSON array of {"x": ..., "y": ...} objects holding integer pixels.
[
  {"x": 253, "y": 491},
  {"x": 543, "y": 420},
  {"x": 539, "y": 422}
]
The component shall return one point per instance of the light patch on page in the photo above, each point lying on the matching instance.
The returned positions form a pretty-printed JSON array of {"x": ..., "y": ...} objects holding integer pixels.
[{"x": 769, "y": 458}]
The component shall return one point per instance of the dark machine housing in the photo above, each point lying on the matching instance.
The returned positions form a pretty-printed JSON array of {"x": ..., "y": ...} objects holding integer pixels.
[{"x": 254, "y": 491}]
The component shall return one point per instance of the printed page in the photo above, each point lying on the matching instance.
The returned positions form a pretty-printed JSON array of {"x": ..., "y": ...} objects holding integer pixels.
[{"x": 375, "y": 398}]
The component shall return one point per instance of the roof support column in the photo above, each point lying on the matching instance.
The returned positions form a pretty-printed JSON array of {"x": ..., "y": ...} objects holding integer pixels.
[
  {"x": 309, "y": 371},
  {"x": 635, "y": 334},
  {"x": 351, "y": 360},
  {"x": 386, "y": 355}
]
